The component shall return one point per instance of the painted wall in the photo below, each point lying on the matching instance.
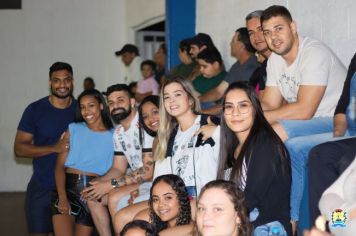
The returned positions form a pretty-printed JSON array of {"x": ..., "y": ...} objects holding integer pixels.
[
  {"x": 84, "y": 33},
  {"x": 333, "y": 22}
]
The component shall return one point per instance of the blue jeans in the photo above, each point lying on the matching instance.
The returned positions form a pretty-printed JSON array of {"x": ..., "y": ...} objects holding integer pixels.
[{"x": 303, "y": 135}]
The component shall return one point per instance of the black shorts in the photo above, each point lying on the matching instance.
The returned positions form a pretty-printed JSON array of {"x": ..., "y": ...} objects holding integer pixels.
[{"x": 74, "y": 185}]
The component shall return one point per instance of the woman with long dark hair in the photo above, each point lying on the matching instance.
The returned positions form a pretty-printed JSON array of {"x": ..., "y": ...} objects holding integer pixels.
[
  {"x": 253, "y": 156},
  {"x": 90, "y": 155}
]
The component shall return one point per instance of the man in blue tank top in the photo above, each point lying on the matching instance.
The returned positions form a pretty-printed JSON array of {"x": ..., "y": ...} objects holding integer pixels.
[{"x": 39, "y": 136}]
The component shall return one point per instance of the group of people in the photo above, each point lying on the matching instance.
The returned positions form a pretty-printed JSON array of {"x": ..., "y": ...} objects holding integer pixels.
[{"x": 149, "y": 164}]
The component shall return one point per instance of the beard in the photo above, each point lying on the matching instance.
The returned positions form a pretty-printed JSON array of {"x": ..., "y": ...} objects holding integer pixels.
[
  {"x": 120, "y": 116},
  {"x": 56, "y": 94}
]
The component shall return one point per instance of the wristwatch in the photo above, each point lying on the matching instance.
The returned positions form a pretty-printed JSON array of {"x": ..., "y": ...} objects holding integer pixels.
[{"x": 114, "y": 183}]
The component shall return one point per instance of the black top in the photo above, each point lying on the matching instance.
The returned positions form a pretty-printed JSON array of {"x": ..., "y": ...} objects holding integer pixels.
[
  {"x": 345, "y": 96},
  {"x": 259, "y": 76},
  {"x": 268, "y": 182}
]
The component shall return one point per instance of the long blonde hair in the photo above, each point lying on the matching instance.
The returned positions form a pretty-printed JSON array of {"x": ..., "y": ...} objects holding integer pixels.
[{"x": 167, "y": 123}]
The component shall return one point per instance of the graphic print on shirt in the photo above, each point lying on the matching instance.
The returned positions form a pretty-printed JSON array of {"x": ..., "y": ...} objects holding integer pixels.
[{"x": 289, "y": 86}]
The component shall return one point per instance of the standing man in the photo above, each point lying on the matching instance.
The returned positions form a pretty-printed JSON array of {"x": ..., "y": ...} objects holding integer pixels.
[
  {"x": 39, "y": 137},
  {"x": 131, "y": 59},
  {"x": 304, "y": 82}
]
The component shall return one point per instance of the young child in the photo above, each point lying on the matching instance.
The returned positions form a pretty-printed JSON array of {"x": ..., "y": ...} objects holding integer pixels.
[
  {"x": 211, "y": 68},
  {"x": 147, "y": 85}
]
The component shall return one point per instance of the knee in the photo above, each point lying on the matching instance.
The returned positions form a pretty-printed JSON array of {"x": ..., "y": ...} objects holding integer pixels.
[
  {"x": 114, "y": 197},
  {"x": 281, "y": 132},
  {"x": 121, "y": 218}
]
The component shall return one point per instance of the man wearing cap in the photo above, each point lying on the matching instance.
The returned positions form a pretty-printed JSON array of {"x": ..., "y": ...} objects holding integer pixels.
[
  {"x": 39, "y": 137},
  {"x": 131, "y": 60}
]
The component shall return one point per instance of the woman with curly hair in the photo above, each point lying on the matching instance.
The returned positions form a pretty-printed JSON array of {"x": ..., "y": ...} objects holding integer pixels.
[
  {"x": 170, "y": 206},
  {"x": 222, "y": 211}
]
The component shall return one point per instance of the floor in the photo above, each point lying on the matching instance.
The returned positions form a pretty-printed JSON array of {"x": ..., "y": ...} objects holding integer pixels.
[{"x": 12, "y": 218}]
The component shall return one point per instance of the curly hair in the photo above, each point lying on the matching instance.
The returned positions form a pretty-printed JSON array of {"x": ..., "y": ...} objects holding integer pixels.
[
  {"x": 178, "y": 186},
  {"x": 237, "y": 198}
]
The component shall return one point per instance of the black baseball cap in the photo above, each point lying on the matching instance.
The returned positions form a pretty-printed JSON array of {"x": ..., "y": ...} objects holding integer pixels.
[{"x": 127, "y": 48}]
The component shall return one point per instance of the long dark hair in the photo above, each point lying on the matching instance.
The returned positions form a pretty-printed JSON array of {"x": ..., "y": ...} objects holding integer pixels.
[
  {"x": 237, "y": 198},
  {"x": 229, "y": 141},
  {"x": 178, "y": 186},
  {"x": 105, "y": 113},
  {"x": 154, "y": 99}
]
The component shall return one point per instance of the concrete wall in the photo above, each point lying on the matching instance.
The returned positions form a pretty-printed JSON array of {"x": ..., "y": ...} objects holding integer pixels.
[
  {"x": 84, "y": 33},
  {"x": 334, "y": 22}
]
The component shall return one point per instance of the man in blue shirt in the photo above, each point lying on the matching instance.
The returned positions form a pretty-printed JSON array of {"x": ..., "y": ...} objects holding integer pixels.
[{"x": 39, "y": 136}]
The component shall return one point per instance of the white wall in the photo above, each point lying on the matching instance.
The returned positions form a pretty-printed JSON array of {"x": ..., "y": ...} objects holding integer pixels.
[
  {"x": 84, "y": 33},
  {"x": 334, "y": 22}
]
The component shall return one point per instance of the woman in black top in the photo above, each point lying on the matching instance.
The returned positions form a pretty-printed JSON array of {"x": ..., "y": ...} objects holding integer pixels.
[{"x": 253, "y": 156}]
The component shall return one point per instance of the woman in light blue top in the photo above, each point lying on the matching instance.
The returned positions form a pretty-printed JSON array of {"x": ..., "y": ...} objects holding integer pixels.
[{"x": 89, "y": 155}]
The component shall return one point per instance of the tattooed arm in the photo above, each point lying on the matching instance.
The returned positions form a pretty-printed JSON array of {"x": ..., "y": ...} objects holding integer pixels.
[{"x": 142, "y": 174}]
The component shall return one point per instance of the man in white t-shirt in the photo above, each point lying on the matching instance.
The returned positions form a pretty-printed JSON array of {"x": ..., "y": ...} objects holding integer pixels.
[
  {"x": 304, "y": 82},
  {"x": 131, "y": 60},
  {"x": 117, "y": 184}
]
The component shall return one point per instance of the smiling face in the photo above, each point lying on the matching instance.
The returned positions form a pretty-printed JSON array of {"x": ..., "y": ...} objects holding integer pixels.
[
  {"x": 61, "y": 84},
  {"x": 90, "y": 109},
  {"x": 165, "y": 203},
  {"x": 255, "y": 33},
  {"x": 279, "y": 34},
  {"x": 119, "y": 105},
  {"x": 150, "y": 115},
  {"x": 216, "y": 214},
  {"x": 176, "y": 100},
  {"x": 238, "y": 112}
]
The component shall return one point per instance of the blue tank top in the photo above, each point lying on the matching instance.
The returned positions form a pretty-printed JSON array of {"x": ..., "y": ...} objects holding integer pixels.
[{"x": 90, "y": 151}]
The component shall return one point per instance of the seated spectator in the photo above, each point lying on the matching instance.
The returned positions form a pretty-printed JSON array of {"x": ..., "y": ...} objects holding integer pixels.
[
  {"x": 139, "y": 228},
  {"x": 160, "y": 60},
  {"x": 88, "y": 83},
  {"x": 258, "y": 42},
  {"x": 324, "y": 159},
  {"x": 246, "y": 63},
  {"x": 338, "y": 203},
  {"x": 147, "y": 85},
  {"x": 148, "y": 112},
  {"x": 221, "y": 210},
  {"x": 185, "y": 68},
  {"x": 90, "y": 155},
  {"x": 212, "y": 72},
  {"x": 197, "y": 44},
  {"x": 253, "y": 156},
  {"x": 211, "y": 68},
  {"x": 169, "y": 206},
  {"x": 304, "y": 82}
]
